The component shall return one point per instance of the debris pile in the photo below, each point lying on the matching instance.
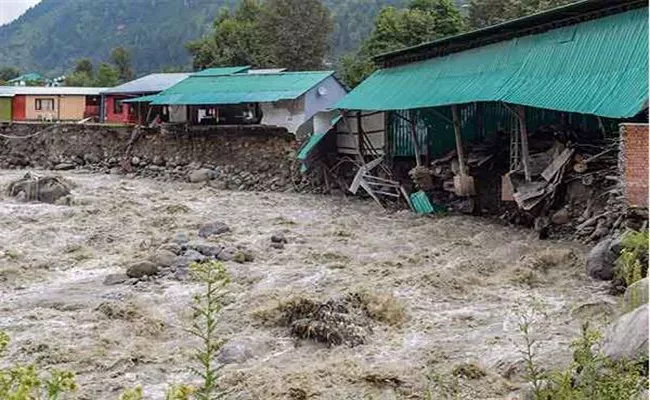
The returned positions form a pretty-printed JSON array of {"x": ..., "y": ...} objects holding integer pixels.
[
  {"x": 46, "y": 189},
  {"x": 334, "y": 322}
]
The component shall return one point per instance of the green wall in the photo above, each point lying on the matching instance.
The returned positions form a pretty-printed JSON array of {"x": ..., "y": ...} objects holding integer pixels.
[{"x": 5, "y": 108}]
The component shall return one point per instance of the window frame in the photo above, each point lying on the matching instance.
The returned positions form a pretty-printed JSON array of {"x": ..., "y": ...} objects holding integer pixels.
[{"x": 39, "y": 104}]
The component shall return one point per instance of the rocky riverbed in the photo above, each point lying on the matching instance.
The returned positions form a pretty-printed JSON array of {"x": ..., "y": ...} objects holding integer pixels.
[{"x": 449, "y": 288}]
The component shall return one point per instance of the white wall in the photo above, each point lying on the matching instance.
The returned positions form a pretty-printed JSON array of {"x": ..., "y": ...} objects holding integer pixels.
[
  {"x": 289, "y": 114},
  {"x": 373, "y": 125}
]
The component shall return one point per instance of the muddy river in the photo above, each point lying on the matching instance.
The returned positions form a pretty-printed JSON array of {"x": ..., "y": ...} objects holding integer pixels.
[{"x": 457, "y": 283}]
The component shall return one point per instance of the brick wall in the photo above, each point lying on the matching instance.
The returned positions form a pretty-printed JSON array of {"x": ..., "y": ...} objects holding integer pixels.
[{"x": 634, "y": 163}]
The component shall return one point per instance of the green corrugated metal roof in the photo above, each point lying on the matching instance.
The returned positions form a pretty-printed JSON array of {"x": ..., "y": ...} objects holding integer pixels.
[
  {"x": 241, "y": 88},
  {"x": 310, "y": 144},
  {"x": 221, "y": 71},
  {"x": 141, "y": 99},
  {"x": 596, "y": 67}
]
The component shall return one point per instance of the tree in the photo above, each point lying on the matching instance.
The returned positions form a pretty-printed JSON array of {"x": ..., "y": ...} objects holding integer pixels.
[
  {"x": 82, "y": 74},
  {"x": 298, "y": 31},
  {"x": 8, "y": 73},
  {"x": 421, "y": 21},
  {"x": 107, "y": 76},
  {"x": 236, "y": 39},
  {"x": 484, "y": 13},
  {"x": 122, "y": 60}
]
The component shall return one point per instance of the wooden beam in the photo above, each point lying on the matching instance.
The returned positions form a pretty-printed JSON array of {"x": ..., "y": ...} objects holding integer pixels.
[
  {"x": 414, "y": 139},
  {"x": 459, "y": 140},
  {"x": 525, "y": 155},
  {"x": 359, "y": 134}
]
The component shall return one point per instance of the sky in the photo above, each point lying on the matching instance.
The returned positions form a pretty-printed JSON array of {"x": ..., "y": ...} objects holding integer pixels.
[{"x": 12, "y": 9}]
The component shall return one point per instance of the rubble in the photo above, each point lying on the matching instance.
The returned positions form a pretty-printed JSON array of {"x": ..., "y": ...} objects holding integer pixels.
[{"x": 47, "y": 189}]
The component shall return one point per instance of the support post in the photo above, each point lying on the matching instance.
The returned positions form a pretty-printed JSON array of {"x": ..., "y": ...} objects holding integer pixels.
[
  {"x": 525, "y": 156},
  {"x": 359, "y": 134},
  {"x": 414, "y": 139},
  {"x": 459, "y": 140}
]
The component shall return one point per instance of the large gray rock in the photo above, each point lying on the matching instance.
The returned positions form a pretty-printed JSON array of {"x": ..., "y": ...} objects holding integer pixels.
[
  {"x": 115, "y": 279},
  {"x": 141, "y": 269},
  {"x": 601, "y": 260},
  {"x": 47, "y": 189},
  {"x": 163, "y": 258},
  {"x": 213, "y": 228},
  {"x": 201, "y": 175},
  {"x": 627, "y": 337},
  {"x": 208, "y": 250},
  {"x": 64, "y": 166},
  {"x": 636, "y": 295}
]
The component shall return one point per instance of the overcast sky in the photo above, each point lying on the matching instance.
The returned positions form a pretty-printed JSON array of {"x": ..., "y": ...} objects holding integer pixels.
[{"x": 12, "y": 9}]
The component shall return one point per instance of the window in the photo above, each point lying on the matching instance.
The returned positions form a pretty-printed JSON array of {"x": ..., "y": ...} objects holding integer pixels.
[
  {"x": 44, "y": 104},
  {"x": 118, "y": 107}
]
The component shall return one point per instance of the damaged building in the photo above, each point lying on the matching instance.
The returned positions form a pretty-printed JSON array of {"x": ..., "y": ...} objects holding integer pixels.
[
  {"x": 521, "y": 120},
  {"x": 240, "y": 96}
]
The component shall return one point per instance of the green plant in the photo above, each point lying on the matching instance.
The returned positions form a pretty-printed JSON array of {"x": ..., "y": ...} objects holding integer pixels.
[
  {"x": 593, "y": 376},
  {"x": 132, "y": 394},
  {"x": 442, "y": 387},
  {"x": 206, "y": 307},
  {"x": 630, "y": 264},
  {"x": 19, "y": 382},
  {"x": 528, "y": 316}
]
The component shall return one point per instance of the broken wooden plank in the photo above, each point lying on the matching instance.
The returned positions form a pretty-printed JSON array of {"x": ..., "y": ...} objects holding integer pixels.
[{"x": 557, "y": 164}]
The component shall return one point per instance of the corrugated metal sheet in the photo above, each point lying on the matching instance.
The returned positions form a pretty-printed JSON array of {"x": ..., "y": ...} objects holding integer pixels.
[
  {"x": 51, "y": 90},
  {"x": 241, "y": 88},
  {"x": 142, "y": 99},
  {"x": 596, "y": 67},
  {"x": 221, "y": 71},
  {"x": 149, "y": 83}
]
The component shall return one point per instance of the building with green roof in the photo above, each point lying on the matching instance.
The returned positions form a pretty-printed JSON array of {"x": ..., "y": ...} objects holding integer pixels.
[{"x": 239, "y": 95}]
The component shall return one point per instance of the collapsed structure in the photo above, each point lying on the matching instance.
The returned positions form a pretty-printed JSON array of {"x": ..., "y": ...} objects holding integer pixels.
[
  {"x": 242, "y": 96},
  {"x": 505, "y": 119}
]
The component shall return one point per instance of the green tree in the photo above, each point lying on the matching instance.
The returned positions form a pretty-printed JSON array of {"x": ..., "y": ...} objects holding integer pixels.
[
  {"x": 82, "y": 74},
  {"x": 107, "y": 76},
  {"x": 8, "y": 73},
  {"x": 298, "y": 31},
  {"x": 421, "y": 21},
  {"x": 484, "y": 13},
  {"x": 236, "y": 39},
  {"x": 122, "y": 60}
]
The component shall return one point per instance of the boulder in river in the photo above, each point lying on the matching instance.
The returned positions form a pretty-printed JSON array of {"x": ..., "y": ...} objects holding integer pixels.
[
  {"x": 601, "y": 260},
  {"x": 636, "y": 295},
  {"x": 141, "y": 269},
  {"x": 47, "y": 189},
  {"x": 627, "y": 337}
]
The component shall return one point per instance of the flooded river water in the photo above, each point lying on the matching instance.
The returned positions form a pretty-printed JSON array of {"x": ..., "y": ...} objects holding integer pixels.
[{"x": 457, "y": 279}]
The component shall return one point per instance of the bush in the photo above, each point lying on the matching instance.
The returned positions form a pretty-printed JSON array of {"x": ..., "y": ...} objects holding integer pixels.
[
  {"x": 19, "y": 382},
  {"x": 631, "y": 265}
]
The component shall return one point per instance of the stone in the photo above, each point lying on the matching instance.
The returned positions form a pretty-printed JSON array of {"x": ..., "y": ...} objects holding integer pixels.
[
  {"x": 64, "y": 166},
  {"x": 627, "y": 337},
  {"x": 135, "y": 161},
  {"x": 238, "y": 351},
  {"x": 636, "y": 295},
  {"x": 201, "y": 175},
  {"x": 213, "y": 228},
  {"x": 194, "y": 256},
  {"x": 141, "y": 269},
  {"x": 173, "y": 247},
  {"x": 561, "y": 217},
  {"x": 208, "y": 250},
  {"x": 91, "y": 158},
  {"x": 115, "y": 171},
  {"x": 47, "y": 189},
  {"x": 600, "y": 261},
  {"x": 115, "y": 279},
  {"x": 163, "y": 258},
  {"x": 227, "y": 254},
  {"x": 279, "y": 238},
  {"x": 158, "y": 160},
  {"x": 180, "y": 238}
]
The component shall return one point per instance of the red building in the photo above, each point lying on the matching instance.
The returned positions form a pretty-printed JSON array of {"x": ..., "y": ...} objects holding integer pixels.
[{"x": 115, "y": 110}]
